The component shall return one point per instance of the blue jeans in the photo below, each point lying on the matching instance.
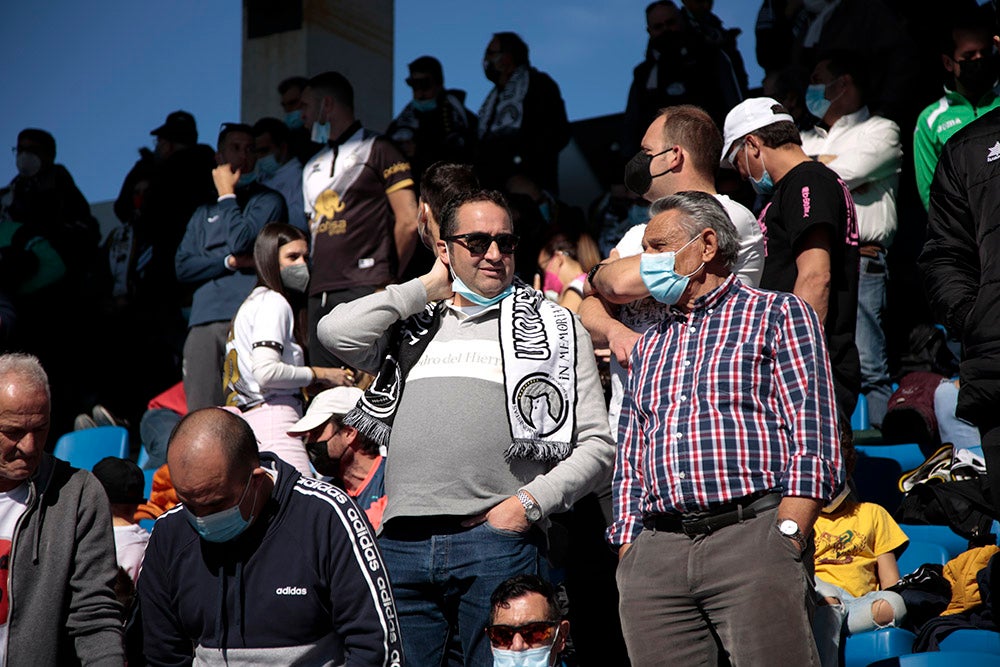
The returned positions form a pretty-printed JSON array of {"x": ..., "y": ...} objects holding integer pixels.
[
  {"x": 960, "y": 433},
  {"x": 876, "y": 384},
  {"x": 442, "y": 577}
]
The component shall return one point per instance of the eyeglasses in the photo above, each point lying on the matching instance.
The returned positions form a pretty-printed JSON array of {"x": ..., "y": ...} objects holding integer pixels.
[
  {"x": 420, "y": 83},
  {"x": 479, "y": 243},
  {"x": 538, "y": 633}
]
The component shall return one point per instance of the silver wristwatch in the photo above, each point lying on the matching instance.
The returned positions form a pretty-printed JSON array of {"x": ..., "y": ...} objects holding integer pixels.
[
  {"x": 790, "y": 529},
  {"x": 532, "y": 510}
]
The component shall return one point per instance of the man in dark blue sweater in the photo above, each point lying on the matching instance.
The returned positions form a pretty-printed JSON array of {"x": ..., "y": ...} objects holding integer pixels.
[{"x": 259, "y": 565}]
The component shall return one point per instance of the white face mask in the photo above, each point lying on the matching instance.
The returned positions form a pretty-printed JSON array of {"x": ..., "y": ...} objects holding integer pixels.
[{"x": 320, "y": 131}]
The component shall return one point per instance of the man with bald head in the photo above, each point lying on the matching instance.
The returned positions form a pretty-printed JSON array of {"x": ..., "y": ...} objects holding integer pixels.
[
  {"x": 259, "y": 564},
  {"x": 57, "y": 548},
  {"x": 727, "y": 451}
]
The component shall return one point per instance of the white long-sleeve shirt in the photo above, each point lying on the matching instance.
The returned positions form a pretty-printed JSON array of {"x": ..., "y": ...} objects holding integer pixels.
[{"x": 869, "y": 157}]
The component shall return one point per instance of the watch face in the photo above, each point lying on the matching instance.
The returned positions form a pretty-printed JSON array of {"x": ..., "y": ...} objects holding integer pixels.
[
  {"x": 533, "y": 513},
  {"x": 788, "y": 527}
]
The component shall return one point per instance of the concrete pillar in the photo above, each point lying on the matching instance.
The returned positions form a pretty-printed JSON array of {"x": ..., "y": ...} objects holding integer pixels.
[{"x": 305, "y": 37}]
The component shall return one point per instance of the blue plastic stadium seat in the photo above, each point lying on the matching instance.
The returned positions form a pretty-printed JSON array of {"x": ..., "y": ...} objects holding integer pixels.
[
  {"x": 919, "y": 553},
  {"x": 978, "y": 641},
  {"x": 867, "y": 647},
  {"x": 879, "y": 468},
  {"x": 940, "y": 659},
  {"x": 952, "y": 542},
  {"x": 143, "y": 457},
  {"x": 83, "y": 449},
  {"x": 148, "y": 474},
  {"x": 859, "y": 420}
]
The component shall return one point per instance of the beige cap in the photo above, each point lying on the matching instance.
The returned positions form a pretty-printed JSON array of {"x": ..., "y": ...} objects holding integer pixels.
[{"x": 336, "y": 401}]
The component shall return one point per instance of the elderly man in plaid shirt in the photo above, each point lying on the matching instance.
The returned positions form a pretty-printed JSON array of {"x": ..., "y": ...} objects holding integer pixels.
[{"x": 728, "y": 448}]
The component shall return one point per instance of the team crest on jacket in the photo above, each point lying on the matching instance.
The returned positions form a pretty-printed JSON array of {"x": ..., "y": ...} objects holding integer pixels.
[{"x": 994, "y": 152}]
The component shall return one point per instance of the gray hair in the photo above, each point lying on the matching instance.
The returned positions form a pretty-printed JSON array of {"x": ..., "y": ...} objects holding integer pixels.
[
  {"x": 27, "y": 367},
  {"x": 703, "y": 210}
]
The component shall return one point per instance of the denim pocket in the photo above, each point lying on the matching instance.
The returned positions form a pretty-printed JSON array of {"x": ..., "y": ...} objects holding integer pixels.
[{"x": 503, "y": 532}]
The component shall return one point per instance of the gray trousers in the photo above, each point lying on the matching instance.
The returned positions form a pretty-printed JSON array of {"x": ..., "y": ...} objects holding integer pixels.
[
  {"x": 743, "y": 590},
  {"x": 204, "y": 354}
]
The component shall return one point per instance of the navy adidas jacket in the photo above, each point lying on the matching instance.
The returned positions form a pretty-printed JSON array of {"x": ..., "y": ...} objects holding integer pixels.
[{"x": 304, "y": 585}]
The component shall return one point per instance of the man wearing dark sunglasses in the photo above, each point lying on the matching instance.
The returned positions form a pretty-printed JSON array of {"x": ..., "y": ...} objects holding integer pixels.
[
  {"x": 526, "y": 627},
  {"x": 489, "y": 402},
  {"x": 435, "y": 126}
]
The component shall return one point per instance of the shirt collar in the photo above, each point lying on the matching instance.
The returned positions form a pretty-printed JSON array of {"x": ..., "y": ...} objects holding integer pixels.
[
  {"x": 712, "y": 300},
  {"x": 847, "y": 120},
  {"x": 954, "y": 97}
]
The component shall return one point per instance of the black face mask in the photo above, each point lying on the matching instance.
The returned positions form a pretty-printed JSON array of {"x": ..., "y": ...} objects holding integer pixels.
[
  {"x": 637, "y": 176},
  {"x": 491, "y": 71},
  {"x": 978, "y": 76},
  {"x": 319, "y": 456}
]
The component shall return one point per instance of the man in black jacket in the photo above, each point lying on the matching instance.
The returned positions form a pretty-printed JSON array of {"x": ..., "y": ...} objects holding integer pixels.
[
  {"x": 962, "y": 274},
  {"x": 522, "y": 122},
  {"x": 259, "y": 565}
]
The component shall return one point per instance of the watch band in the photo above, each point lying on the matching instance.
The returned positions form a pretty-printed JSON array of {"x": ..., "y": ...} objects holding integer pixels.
[
  {"x": 593, "y": 272},
  {"x": 532, "y": 510}
]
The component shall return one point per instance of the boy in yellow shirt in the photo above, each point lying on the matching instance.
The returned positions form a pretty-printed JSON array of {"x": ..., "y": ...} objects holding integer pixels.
[{"x": 855, "y": 561}]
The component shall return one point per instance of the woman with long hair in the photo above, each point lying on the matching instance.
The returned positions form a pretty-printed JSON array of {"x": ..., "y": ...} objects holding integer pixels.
[
  {"x": 563, "y": 264},
  {"x": 265, "y": 369}
]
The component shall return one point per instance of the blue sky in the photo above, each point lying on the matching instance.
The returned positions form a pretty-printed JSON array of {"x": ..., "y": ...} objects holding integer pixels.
[{"x": 100, "y": 75}]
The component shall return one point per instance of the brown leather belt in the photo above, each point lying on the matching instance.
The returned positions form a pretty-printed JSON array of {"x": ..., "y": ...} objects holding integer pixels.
[{"x": 870, "y": 249}]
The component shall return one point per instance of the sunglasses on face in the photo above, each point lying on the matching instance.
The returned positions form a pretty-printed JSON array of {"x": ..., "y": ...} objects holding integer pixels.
[
  {"x": 479, "y": 243},
  {"x": 539, "y": 633}
]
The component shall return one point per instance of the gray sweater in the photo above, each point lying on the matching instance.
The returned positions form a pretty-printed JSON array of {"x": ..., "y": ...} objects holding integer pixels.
[
  {"x": 62, "y": 602},
  {"x": 446, "y": 450}
]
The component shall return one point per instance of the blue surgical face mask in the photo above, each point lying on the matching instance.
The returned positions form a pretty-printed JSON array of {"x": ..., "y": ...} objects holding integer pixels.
[
  {"x": 225, "y": 525},
  {"x": 293, "y": 119},
  {"x": 765, "y": 185},
  {"x": 545, "y": 210},
  {"x": 268, "y": 165},
  {"x": 657, "y": 272},
  {"x": 533, "y": 657},
  {"x": 458, "y": 286},
  {"x": 816, "y": 100},
  {"x": 246, "y": 179},
  {"x": 425, "y": 105}
]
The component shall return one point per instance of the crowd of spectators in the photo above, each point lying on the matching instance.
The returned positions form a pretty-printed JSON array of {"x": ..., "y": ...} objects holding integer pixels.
[{"x": 401, "y": 326}]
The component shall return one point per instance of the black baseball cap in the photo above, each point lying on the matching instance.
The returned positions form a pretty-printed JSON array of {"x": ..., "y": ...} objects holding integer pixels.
[
  {"x": 122, "y": 480},
  {"x": 179, "y": 127}
]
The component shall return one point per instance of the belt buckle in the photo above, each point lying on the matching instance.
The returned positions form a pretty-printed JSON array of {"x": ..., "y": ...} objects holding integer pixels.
[{"x": 688, "y": 527}]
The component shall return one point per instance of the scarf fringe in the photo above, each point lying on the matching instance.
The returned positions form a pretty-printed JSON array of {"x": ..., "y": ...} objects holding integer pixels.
[
  {"x": 537, "y": 450},
  {"x": 368, "y": 426}
]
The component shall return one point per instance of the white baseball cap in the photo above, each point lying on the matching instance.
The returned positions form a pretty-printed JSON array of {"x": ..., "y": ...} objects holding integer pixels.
[
  {"x": 747, "y": 116},
  {"x": 336, "y": 401}
]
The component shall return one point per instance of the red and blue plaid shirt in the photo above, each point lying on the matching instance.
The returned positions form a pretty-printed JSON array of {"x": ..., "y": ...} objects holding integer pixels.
[{"x": 733, "y": 398}]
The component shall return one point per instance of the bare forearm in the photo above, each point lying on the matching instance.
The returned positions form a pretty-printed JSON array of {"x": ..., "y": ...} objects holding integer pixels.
[
  {"x": 596, "y": 319},
  {"x": 814, "y": 289},
  {"x": 619, "y": 281},
  {"x": 802, "y": 511}
]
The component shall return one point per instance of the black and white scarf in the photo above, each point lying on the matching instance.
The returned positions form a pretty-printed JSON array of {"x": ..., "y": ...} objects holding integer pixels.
[
  {"x": 503, "y": 109},
  {"x": 538, "y": 349}
]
